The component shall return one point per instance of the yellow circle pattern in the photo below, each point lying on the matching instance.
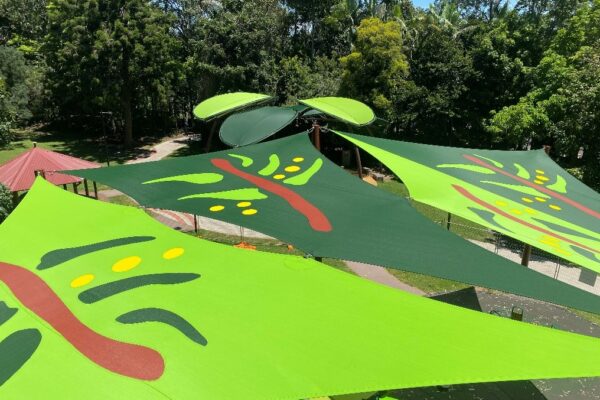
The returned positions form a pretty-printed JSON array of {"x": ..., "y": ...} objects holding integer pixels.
[
  {"x": 292, "y": 168},
  {"x": 82, "y": 280},
  {"x": 298, "y": 159},
  {"x": 126, "y": 264},
  {"x": 554, "y": 207},
  {"x": 217, "y": 208},
  {"x": 527, "y": 200},
  {"x": 243, "y": 204},
  {"x": 249, "y": 211},
  {"x": 501, "y": 203},
  {"x": 173, "y": 253},
  {"x": 279, "y": 176},
  {"x": 541, "y": 199}
]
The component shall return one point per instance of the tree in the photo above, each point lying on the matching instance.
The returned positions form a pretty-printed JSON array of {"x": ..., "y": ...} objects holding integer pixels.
[
  {"x": 376, "y": 67},
  {"x": 115, "y": 55},
  {"x": 6, "y": 203}
]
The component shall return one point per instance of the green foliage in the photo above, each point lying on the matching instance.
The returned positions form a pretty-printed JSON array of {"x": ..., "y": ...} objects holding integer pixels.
[
  {"x": 115, "y": 55},
  {"x": 377, "y": 66},
  {"x": 6, "y": 202}
]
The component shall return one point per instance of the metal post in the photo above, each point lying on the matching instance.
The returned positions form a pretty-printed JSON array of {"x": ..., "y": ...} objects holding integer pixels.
[
  {"x": 317, "y": 135},
  {"x": 75, "y": 189},
  {"x": 526, "y": 255},
  {"x": 196, "y": 224},
  {"x": 86, "y": 188},
  {"x": 95, "y": 190},
  {"x": 448, "y": 221},
  {"x": 358, "y": 162}
]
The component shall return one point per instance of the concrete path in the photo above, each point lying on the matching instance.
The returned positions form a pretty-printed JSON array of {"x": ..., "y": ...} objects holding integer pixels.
[
  {"x": 161, "y": 150},
  {"x": 381, "y": 275}
]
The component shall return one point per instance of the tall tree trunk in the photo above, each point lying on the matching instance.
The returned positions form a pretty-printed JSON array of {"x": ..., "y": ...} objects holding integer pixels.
[{"x": 126, "y": 97}]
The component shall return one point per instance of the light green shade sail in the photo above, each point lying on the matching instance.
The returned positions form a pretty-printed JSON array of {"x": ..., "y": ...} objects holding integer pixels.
[
  {"x": 347, "y": 110},
  {"x": 241, "y": 325},
  {"x": 199, "y": 179},
  {"x": 223, "y": 103},
  {"x": 242, "y": 129},
  {"x": 529, "y": 196},
  {"x": 321, "y": 209}
]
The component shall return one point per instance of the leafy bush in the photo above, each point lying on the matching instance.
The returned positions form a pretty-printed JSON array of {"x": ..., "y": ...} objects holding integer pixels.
[{"x": 6, "y": 203}]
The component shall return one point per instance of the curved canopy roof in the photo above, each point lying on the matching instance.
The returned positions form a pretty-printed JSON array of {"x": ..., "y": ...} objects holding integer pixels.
[
  {"x": 342, "y": 108},
  {"x": 221, "y": 104},
  {"x": 19, "y": 173},
  {"x": 134, "y": 308},
  {"x": 286, "y": 189},
  {"x": 254, "y": 126},
  {"x": 523, "y": 194}
]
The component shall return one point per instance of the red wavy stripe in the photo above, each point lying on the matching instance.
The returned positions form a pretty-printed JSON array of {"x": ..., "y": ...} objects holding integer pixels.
[
  {"x": 495, "y": 209},
  {"x": 540, "y": 188},
  {"x": 122, "y": 358},
  {"x": 317, "y": 220}
]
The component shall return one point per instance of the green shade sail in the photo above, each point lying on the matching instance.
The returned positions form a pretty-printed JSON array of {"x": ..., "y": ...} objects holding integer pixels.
[
  {"x": 254, "y": 126},
  {"x": 347, "y": 110},
  {"x": 286, "y": 189},
  {"x": 522, "y": 194},
  {"x": 176, "y": 317},
  {"x": 224, "y": 103}
]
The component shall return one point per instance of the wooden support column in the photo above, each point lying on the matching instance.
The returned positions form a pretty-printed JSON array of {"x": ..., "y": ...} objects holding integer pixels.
[
  {"x": 95, "y": 190},
  {"x": 196, "y": 224},
  {"x": 317, "y": 136},
  {"x": 526, "y": 255},
  {"x": 86, "y": 188},
  {"x": 358, "y": 162},
  {"x": 449, "y": 221},
  {"x": 75, "y": 188},
  {"x": 211, "y": 135}
]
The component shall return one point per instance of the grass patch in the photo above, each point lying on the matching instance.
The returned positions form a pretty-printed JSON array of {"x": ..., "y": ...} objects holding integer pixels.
[{"x": 122, "y": 200}]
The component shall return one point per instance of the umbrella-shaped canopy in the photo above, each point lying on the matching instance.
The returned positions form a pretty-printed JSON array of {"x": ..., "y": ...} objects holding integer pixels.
[
  {"x": 224, "y": 103},
  {"x": 249, "y": 127},
  {"x": 19, "y": 173},
  {"x": 342, "y": 108},
  {"x": 133, "y": 309}
]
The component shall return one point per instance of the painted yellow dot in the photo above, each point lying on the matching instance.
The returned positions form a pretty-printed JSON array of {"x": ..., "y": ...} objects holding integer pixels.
[
  {"x": 292, "y": 168},
  {"x": 82, "y": 280},
  {"x": 249, "y": 211},
  {"x": 217, "y": 208},
  {"x": 298, "y": 159},
  {"x": 126, "y": 264},
  {"x": 527, "y": 200},
  {"x": 542, "y": 178},
  {"x": 557, "y": 208},
  {"x": 541, "y": 199},
  {"x": 173, "y": 253},
  {"x": 501, "y": 203},
  {"x": 538, "y": 182},
  {"x": 530, "y": 211},
  {"x": 279, "y": 176},
  {"x": 515, "y": 211},
  {"x": 243, "y": 204},
  {"x": 539, "y": 172}
]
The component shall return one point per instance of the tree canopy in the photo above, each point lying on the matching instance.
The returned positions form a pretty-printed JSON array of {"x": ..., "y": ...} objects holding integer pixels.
[{"x": 481, "y": 73}]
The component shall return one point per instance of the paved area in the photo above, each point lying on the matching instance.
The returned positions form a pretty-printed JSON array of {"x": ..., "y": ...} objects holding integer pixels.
[
  {"x": 161, "y": 150},
  {"x": 381, "y": 275}
]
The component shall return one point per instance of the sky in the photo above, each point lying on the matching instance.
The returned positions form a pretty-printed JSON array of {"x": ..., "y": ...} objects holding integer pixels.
[{"x": 422, "y": 3}]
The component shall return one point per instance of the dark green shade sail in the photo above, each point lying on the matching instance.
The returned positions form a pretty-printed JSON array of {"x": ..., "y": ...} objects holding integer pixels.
[
  {"x": 224, "y": 103},
  {"x": 523, "y": 194},
  {"x": 288, "y": 190},
  {"x": 255, "y": 326},
  {"x": 249, "y": 127},
  {"x": 348, "y": 110}
]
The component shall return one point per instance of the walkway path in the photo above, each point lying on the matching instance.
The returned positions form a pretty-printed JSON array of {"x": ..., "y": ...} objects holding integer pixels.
[{"x": 381, "y": 275}]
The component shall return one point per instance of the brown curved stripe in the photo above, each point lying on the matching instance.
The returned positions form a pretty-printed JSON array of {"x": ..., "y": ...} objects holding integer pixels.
[
  {"x": 317, "y": 220},
  {"x": 122, "y": 358}
]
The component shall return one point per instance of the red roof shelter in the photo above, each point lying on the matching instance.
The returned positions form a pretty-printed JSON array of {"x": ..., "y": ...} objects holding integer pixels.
[{"x": 19, "y": 173}]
